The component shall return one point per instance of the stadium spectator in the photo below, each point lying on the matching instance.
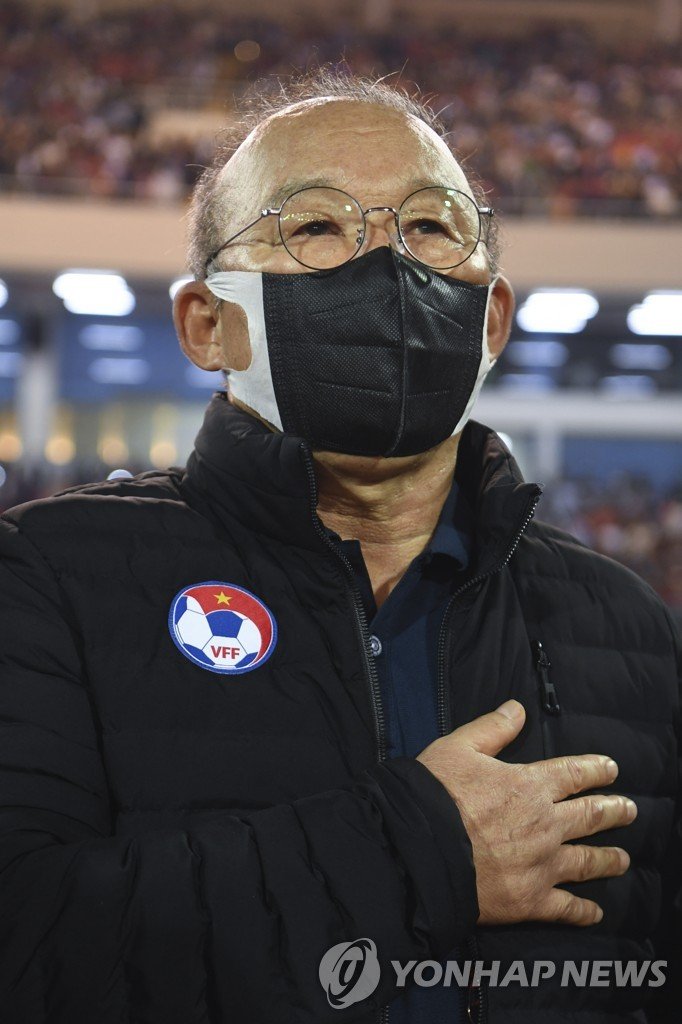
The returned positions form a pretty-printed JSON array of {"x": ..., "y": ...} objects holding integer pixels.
[{"x": 563, "y": 125}]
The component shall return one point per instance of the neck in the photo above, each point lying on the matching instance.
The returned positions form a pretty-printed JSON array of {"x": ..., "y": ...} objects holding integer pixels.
[{"x": 391, "y": 506}]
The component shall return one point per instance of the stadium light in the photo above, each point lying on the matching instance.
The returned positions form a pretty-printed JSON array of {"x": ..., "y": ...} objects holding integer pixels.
[
  {"x": 4, "y": 293},
  {"x": 9, "y": 332},
  {"x": 527, "y": 382},
  {"x": 94, "y": 293},
  {"x": 111, "y": 337},
  {"x": 177, "y": 285},
  {"x": 247, "y": 50},
  {"x": 629, "y": 356},
  {"x": 660, "y": 313},
  {"x": 629, "y": 386},
  {"x": 11, "y": 447},
  {"x": 114, "y": 370},
  {"x": 557, "y": 311},
  {"x": 536, "y": 353},
  {"x": 11, "y": 364}
]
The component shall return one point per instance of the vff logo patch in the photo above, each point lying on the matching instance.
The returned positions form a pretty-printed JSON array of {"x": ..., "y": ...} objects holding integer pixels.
[{"x": 222, "y": 627}]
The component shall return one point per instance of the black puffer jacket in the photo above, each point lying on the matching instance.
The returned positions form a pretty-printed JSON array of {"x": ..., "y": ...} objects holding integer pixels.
[{"x": 179, "y": 846}]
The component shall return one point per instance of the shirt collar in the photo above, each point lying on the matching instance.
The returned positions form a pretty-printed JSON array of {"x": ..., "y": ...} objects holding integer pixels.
[
  {"x": 452, "y": 537},
  {"x": 453, "y": 534}
]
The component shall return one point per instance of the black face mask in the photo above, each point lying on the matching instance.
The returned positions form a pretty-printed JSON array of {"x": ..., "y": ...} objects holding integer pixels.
[{"x": 379, "y": 357}]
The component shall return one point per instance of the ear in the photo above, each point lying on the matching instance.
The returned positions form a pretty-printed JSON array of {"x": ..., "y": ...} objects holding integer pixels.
[
  {"x": 500, "y": 315},
  {"x": 213, "y": 337},
  {"x": 195, "y": 318}
]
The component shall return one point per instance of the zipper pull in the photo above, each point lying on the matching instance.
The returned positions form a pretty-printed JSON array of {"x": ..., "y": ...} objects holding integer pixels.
[
  {"x": 550, "y": 701},
  {"x": 474, "y": 1004}
]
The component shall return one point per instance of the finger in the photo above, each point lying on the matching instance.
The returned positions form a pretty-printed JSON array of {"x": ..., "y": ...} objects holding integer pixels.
[
  {"x": 576, "y": 772},
  {"x": 569, "y": 909},
  {"x": 587, "y": 815},
  {"x": 583, "y": 863},
  {"x": 490, "y": 733}
]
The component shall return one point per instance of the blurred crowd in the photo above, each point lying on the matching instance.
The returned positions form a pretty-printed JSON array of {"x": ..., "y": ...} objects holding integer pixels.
[
  {"x": 626, "y": 518},
  {"x": 623, "y": 517},
  {"x": 557, "y": 124}
]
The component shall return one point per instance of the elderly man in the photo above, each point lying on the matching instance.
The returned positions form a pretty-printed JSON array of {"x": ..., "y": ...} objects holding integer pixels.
[{"x": 313, "y": 707}]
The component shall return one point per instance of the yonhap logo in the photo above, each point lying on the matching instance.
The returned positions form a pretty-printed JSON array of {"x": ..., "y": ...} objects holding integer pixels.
[{"x": 349, "y": 972}]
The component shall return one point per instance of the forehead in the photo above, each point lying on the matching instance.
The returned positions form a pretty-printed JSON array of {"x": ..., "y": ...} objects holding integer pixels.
[{"x": 373, "y": 152}]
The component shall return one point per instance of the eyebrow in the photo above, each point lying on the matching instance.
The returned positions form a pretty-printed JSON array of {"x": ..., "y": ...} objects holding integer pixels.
[{"x": 275, "y": 199}]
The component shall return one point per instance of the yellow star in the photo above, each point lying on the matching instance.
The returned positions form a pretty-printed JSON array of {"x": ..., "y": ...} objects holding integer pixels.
[{"x": 222, "y": 598}]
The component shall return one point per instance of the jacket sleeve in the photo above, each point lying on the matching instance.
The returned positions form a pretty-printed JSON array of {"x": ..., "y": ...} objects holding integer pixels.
[{"x": 227, "y": 921}]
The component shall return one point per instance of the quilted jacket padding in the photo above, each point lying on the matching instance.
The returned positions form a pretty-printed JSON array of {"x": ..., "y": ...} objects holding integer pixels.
[{"x": 181, "y": 847}]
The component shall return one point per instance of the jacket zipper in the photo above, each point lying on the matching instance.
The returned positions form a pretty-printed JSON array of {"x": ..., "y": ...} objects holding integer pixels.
[
  {"x": 362, "y": 629},
  {"x": 475, "y": 1007},
  {"x": 370, "y": 670},
  {"x": 442, "y": 638},
  {"x": 360, "y": 616},
  {"x": 548, "y": 694},
  {"x": 549, "y": 700},
  {"x": 476, "y": 997}
]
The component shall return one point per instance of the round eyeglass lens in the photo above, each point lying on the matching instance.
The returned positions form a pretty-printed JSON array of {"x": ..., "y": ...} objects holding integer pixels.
[
  {"x": 321, "y": 227},
  {"x": 440, "y": 226}
]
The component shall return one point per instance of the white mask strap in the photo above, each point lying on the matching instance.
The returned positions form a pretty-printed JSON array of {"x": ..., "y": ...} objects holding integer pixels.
[
  {"x": 484, "y": 367},
  {"x": 252, "y": 386}
]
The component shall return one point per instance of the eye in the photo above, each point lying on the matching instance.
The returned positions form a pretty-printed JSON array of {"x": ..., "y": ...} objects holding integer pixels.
[
  {"x": 425, "y": 226},
  {"x": 314, "y": 228}
]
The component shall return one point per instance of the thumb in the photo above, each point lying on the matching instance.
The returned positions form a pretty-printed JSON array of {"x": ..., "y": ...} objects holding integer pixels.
[{"x": 490, "y": 733}]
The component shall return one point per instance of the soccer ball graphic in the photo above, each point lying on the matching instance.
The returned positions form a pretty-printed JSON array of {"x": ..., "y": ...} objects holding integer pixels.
[
  {"x": 223, "y": 639},
  {"x": 222, "y": 627}
]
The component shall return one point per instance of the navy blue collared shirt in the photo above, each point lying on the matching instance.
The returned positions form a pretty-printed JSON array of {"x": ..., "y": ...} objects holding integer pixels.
[{"x": 404, "y": 639}]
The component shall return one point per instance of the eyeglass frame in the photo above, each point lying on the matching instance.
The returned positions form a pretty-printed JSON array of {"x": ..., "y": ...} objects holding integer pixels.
[{"x": 483, "y": 211}]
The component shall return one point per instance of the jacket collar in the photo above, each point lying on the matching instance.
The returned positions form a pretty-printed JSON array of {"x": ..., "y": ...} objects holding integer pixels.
[
  {"x": 240, "y": 470},
  {"x": 503, "y": 502}
]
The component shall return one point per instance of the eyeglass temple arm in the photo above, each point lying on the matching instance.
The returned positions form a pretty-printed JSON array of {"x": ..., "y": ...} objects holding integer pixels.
[
  {"x": 263, "y": 213},
  {"x": 489, "y": 212}
]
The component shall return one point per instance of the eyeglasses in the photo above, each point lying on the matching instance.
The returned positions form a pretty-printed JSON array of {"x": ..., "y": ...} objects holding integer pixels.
[{"x": 323, "y": 228}]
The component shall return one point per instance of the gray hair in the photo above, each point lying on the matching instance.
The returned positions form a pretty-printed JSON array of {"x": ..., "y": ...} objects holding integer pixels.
[{"x": 206, "y": 215}]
